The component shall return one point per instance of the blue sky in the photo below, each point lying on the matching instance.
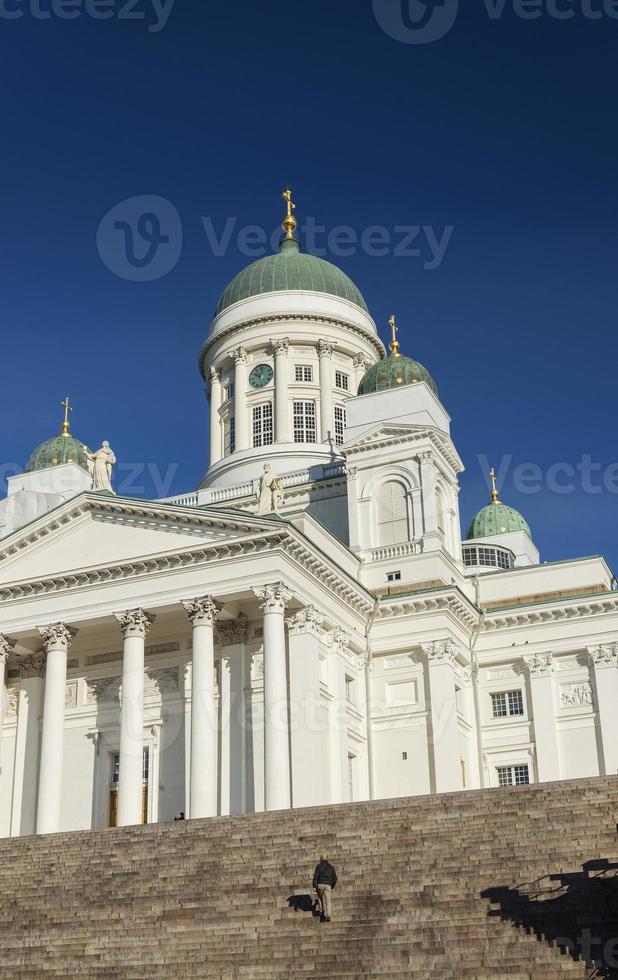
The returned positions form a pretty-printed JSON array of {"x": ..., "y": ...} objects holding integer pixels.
[{"x": 498, "y": 139}]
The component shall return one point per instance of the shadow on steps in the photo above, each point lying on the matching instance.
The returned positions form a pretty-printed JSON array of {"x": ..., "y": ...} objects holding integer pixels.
[
  {"x": 576, "y": 912},
  {"x": 304, "y": 903}
]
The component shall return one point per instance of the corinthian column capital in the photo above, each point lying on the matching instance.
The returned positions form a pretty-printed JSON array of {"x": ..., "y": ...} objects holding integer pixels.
[
  {"x": 202, "y": 611},
  {"x": 539, "y": 664},
  {"x": 6, "y": 646},
  {"x": 134, "y": 622},
  {"x": 307, "y": 620},
  {"x": 281, "y": 345},
  {"x": 56, "y": 637},
  {"x": 324, "y": 349},
  {"x": 273, "y": 598},
  {"x": 604, "y": 656}
]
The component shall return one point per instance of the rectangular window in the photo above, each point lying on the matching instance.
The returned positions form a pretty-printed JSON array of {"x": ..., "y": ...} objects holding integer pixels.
[
  {"x": 340, "y": 424},
  {"x": 230, "y": 435},
  {"x": 507, "y": 703},
  {"x": 342, "y": 381},
  {"x": 513, "y": 775},
  {"x": 116, "y": 767},
  {"x": 263, "y": 424},
  {"x": 229, "y": 392},
  {"x": 305, "y": 429},
  {"x": 393, "y": 577},
  {"x": 303, "y": 372},
  {"x": 349, "y": 689}
]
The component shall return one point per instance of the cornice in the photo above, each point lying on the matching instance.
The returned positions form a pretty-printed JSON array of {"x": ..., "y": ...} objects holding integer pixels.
[
  {"x": 287, "y": 318},
  {"x": 140, "y": 512},
  {"x": 599, "y": 604},
  {"x": 449, "y": 600},
  {"x": 283, "y": 536},
  {"x": 387, "y": 436}
]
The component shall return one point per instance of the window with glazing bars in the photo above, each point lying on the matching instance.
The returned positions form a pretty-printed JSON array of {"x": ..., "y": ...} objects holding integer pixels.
[
  {"x": 513, "y": 775},
  {"x": 305, "y": 422},
  {"x": 507, "y": 703},
  {"x": 230, "y": 436},
  {"x": 340, "y": 424},
  {"x": 263, "y": 424},
  {"x": 303, "y": 372},
  {"x": 342, "y": 381}
]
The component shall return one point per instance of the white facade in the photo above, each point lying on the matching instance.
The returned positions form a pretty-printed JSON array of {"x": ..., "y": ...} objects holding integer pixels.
[{"x": 191, "y": 655}]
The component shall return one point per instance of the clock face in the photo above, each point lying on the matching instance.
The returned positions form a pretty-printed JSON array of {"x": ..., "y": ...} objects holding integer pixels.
[{"x": 261, "y": 376}]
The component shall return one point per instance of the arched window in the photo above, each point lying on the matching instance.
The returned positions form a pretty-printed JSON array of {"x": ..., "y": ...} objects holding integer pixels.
[{"x": 392, "y": 514}]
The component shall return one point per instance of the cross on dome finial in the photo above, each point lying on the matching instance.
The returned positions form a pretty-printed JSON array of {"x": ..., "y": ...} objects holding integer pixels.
[
  {"x": 290, "y": 224},
  {"x": 67, "y": 408},
  {"x": 394, "y": 345},
  {"x": 494, "y": 486}
]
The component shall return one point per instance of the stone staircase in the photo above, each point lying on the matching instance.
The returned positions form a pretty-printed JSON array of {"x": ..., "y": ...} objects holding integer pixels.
[{"x": 446, "y": 886}]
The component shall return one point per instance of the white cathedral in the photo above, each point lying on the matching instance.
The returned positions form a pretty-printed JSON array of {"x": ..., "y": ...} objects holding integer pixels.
[{"x": 306, "y": 628}]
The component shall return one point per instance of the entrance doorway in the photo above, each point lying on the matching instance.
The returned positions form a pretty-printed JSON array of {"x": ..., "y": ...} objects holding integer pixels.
[{"x": 113, "y": 790}]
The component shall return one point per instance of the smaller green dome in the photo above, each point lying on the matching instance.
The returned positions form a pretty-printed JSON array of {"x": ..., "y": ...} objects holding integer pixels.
[
  {"x": 61, "y": 449},
  {"x": 393, "y": 372},
  {"x": 496, "y": 518}
]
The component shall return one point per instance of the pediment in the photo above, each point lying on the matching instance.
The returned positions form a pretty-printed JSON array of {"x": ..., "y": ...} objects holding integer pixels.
[
  {"x": 95, "y": 531},
  {"x": 388, "y": 434}
]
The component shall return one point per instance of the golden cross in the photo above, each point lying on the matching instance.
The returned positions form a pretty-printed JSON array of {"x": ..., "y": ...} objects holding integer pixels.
[
  {"x": 289, "y": 222},
  {"x": 494, "y": 486},
  {"x": 394, "y": 345},
  {"x": 67, "y": 408}
]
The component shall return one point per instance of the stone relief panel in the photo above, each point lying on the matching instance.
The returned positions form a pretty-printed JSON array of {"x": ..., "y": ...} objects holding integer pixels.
[
  {"x": 70, "y": 697},
  {"x": 163, "y": 681},
  {"x": 12, "y": 702},
  {"x": 103, "y": 691},
  {"x": 576, "y": 696},
  {"x": 396, "y": 663}
]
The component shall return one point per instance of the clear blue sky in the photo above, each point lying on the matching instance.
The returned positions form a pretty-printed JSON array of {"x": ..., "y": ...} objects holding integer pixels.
[{"x": 504, "y": 128}]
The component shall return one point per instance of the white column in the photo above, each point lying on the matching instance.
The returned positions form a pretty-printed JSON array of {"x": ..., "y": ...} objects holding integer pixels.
[
  {"x": 202, "y": 614},
  {"x": 27, "y": 744},
  {"x": 135, "y": 625},
  {"x": 241, "y": 415},
  {"x": 605, "y": 663},
  {"x": 325, "y": 352},
  {"x": 309, "y": 732},
  {"x": 338, "y": 756},
  {"x": 282, "y": 407},
  {"x": 216, "y": 440},
  {"x": 5, "y": 648},
  {"x": 231, "y": 640},
  {"x": 540, "y": 668},
  {"x": 56, "y": 640},
  {"x": 441, "y": 657},
  {"x": 273, "y": 600}
]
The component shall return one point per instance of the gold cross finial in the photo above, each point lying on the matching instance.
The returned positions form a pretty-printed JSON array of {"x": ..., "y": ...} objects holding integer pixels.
[
  {"x": 494, "y": 486},
  {"x": 67, "y": 408},
  {"x": 394, "y": 345},
  {"x": 290, "y": 223}
]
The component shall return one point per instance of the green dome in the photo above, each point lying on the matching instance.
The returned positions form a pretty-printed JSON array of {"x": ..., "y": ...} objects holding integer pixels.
[
  {"x": 393, "y": 372},
  {"x": 54, "y": 452},
  {"x": 497, "y": 518},
  {"x": 290, "y": 269}
]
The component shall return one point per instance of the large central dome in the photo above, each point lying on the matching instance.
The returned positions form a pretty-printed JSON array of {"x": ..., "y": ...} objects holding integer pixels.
[{"x": 290, "y": 269}]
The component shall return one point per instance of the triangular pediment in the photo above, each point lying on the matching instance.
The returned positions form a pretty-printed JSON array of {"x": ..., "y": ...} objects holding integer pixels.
[
  {"x": 96, "y": 531},
  {"x": 389, "y": 434}
]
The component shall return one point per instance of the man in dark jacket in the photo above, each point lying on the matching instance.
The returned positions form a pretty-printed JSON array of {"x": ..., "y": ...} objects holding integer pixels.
[{"x": 324, "y": 881}]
